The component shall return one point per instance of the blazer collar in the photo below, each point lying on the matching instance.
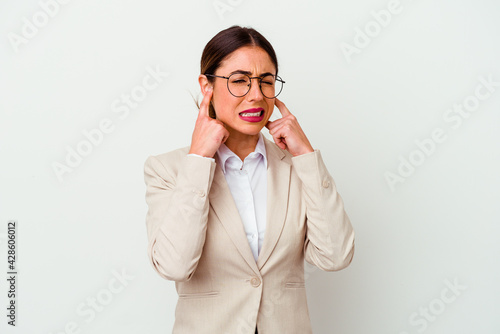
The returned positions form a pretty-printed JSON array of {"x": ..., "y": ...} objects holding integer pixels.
[{"x": 278, "y": 184}]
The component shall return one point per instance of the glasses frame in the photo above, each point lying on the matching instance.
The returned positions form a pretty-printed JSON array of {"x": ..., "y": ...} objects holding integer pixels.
[{"x": 277, "y": 77}]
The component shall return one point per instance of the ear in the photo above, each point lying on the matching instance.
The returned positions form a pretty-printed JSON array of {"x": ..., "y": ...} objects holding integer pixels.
[{"x": 204, "y": 83}]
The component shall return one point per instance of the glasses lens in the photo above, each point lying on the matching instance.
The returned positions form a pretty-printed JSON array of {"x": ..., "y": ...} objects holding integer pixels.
[
  {"x": 270, "y": 86},
  {"x": 238, "y": 84}
]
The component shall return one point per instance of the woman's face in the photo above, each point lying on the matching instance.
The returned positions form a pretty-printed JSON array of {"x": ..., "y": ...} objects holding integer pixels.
[{"x": 228, "y": 107}]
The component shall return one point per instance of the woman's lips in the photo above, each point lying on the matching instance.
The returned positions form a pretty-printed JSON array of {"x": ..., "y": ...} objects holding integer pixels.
[
  {"x": 252, "y": 115},
  {"x": 253, "y": 110}
]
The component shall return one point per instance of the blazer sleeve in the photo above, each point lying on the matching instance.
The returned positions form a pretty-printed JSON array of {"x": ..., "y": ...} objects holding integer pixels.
[
  {"x": 329, "y": 242},
  {"x": 177, "y": 214}
]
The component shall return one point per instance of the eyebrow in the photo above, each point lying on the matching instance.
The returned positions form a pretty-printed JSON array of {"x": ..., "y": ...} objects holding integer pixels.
[{"x": 250, "y": 73}]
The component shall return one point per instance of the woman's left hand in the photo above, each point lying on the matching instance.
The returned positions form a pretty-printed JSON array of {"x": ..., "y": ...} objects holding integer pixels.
[{"x": 287, "y": 133}]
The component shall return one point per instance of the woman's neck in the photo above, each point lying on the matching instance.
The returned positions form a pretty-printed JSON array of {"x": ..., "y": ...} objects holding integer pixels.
[{"x": 242, "y": 144}]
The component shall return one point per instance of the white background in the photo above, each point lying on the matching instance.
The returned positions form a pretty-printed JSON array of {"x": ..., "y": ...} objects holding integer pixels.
[{"x": 364, "y": 112}]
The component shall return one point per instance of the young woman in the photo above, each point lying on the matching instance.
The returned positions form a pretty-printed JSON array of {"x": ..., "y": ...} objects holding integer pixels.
[{"x": 233, "y": 216}]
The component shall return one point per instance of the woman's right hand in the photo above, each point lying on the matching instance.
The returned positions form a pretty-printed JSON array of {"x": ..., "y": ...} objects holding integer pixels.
[{"x": 208, "y": 133}]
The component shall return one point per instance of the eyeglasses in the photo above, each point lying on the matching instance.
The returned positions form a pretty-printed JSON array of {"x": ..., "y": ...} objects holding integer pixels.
[{"x": 239, "y": 84}]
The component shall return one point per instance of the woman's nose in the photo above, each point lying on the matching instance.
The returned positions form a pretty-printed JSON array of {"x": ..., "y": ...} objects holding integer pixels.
[{"x": 255, "y": 93}]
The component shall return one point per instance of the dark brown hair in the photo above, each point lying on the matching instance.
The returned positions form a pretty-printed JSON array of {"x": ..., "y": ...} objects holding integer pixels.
[{"x": 228, "y": 41}]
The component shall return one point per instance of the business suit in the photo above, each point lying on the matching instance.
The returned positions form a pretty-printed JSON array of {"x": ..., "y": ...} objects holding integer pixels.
[{"x": 196, "y": 238}]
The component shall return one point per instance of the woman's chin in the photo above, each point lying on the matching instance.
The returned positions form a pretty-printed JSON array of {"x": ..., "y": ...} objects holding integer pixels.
[{"x": 250, "y": 130}]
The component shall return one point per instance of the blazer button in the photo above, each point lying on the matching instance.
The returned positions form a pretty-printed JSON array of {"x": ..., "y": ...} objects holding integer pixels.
[
  {"x": 255, "y": 281},
  {"x": 326, "y": 184}
]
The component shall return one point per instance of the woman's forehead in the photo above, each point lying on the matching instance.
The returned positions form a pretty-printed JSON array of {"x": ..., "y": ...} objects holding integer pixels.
[{"x": 248, "y": 58}]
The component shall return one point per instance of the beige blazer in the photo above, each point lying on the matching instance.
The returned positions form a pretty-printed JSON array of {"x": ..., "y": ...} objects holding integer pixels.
[{"x": 196, "y": 238}]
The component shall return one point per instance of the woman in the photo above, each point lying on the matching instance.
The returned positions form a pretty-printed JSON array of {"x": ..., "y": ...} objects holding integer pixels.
[{"x": 233, "y": 216}]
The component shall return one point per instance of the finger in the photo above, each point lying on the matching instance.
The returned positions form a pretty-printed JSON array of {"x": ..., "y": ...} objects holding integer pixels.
[
  {"x": 221, "y": 123},
  {"x": 280, "y": 141},
  {"x": 272, "y": 124},
  {"x": 205, "y": 102},
  {"x": 281, "y": 107},
  {"x": 279, "y": 131},
  {"x": 226, "y": 136}
]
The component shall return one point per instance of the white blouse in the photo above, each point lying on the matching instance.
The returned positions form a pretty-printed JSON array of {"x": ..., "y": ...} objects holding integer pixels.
[{"x": 247, "y": 181}]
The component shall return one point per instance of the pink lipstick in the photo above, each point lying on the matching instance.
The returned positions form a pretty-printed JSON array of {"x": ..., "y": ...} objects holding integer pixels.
[{"x": 252, "y": 115}]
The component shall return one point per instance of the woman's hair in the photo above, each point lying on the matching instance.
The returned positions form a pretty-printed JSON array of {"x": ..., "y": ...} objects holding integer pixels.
[{"x": 227, "y": 41}]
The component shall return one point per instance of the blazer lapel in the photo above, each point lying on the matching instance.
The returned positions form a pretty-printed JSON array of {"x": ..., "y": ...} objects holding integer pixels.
[
  {"x": 278, "y": 186},
  {"x": 222, "y": 202}
]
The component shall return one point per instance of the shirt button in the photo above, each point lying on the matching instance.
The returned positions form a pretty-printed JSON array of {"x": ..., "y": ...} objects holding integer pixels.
[
  {"x": 326, "y": 184},
  {"x": 255, "y": 281},
  {"x": 201, "y": 193}
]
